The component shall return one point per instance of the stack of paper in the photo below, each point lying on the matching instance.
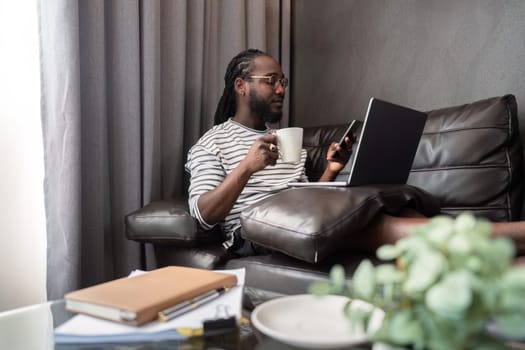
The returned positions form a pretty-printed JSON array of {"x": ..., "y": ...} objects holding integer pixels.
[{"x": 87, "y": 329}]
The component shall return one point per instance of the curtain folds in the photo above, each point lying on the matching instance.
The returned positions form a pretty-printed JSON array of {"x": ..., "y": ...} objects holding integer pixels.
[{"x": 127, "y": 88}]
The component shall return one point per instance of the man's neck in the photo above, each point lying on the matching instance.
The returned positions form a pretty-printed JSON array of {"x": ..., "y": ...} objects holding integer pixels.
[{"x": 250, "y": 121}]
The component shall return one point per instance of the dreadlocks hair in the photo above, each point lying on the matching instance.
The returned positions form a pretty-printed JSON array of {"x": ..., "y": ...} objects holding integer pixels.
[{"x": 239, "y": 67}]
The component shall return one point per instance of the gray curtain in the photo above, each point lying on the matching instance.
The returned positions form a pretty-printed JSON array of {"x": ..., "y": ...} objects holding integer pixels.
[{"x": 127, "y": 88}]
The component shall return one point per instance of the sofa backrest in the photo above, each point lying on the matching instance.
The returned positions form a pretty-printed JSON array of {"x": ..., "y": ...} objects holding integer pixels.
[{"x": 470, "y": 157}]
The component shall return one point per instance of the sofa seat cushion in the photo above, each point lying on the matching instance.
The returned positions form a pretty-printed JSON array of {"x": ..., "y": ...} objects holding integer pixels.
[
  {"x": 204, "y": 256},
  {"x": 471, "y": 158},
  {"x": 285, "y": 275},
  {"x": 313, "y": 223}
]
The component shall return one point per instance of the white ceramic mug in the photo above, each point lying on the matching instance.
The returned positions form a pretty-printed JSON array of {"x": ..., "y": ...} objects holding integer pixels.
[{"x": 290, "y": 144}]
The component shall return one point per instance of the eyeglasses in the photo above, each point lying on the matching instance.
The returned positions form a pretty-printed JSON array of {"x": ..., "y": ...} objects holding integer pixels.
[{"x": 272, "y": 80}]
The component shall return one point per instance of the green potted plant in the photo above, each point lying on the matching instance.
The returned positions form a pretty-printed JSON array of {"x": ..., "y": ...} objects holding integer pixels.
[{"x": 447, "y": 285}]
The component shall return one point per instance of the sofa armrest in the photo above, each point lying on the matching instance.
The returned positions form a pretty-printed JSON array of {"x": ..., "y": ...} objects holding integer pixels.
[{"x": 167, "y": 222}]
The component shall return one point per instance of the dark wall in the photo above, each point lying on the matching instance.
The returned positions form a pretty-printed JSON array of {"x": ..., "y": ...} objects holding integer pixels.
[{"x": 426, "y": 54}]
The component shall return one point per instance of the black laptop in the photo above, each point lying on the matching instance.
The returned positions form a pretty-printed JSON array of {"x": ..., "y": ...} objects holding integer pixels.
[{"x": 385, "y": 149}]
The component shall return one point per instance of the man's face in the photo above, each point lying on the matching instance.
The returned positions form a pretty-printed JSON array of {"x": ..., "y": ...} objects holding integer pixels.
[{"x": 266, "y": 95}]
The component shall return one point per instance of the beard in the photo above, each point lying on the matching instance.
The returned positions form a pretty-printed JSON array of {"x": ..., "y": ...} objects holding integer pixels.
[{"x": 263, "y": 109}]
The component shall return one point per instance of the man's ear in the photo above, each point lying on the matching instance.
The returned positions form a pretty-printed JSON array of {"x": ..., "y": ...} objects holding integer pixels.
[{"x": 240, "y": 86}]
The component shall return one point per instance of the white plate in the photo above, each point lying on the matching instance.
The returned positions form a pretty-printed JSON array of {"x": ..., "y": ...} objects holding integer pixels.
[{"x": 313, "y": 322}]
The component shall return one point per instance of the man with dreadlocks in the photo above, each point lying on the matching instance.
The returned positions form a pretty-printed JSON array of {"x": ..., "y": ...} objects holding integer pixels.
[{"x": 235, "y": 164}]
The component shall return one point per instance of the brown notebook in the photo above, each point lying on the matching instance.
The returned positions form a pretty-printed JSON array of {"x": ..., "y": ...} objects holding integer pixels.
[{"x": 137, "y": 300}]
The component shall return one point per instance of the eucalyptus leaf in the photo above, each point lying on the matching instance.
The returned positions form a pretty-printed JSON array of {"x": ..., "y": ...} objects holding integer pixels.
[
  {"x": 482, "y": 228},
  {"x": 388, "y": 252},
  {"x": 464, "y": 223},
  {"x": 360, "y": 314},
  {"x": 512, "y": 325},
  {"x": 439, "y": 236},
  {"x": 460, "y": 244},
  {"x": 404, "y": 328},
  {"x": 388, "y": 274},
  {"x": 320, "y": 288},
  {"x": 505, "y": 248},
  {"x": 514, "y": 278},
  {"x": 413, "y": 243},
  {"x": 337, "y": 276},
  {"x": 440, "y": 221},
  {"x": 512, "y": 299},
  {"x": 439, "y": 232},
  {"x": 364, "y": 281},
  {"x": 451, "y": 297},
  {"x": 425, "y": 270},
  {"x": 498, "y": 255},
  {"x": 474, "y": 263}
]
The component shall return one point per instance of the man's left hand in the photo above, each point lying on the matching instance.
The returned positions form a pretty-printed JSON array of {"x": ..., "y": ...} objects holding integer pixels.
[{"x": 338, "y": 156}]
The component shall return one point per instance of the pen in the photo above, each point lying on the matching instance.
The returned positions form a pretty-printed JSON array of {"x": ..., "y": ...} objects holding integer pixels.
[{"x": 182, "y": 308}]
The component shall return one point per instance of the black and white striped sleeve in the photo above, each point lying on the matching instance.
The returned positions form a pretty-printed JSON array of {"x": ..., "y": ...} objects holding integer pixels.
[{"x": 206, "y": 173}]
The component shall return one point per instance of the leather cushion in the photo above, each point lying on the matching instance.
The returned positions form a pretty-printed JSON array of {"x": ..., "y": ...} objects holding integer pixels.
[
  {"x": 471, "y": 158},
  {"x": 168, "y": 221},
  {"x": 312, "y": 223}
]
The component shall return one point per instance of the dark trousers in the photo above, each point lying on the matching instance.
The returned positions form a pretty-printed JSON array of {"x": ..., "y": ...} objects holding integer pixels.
[{"x": 244, "y": 247}]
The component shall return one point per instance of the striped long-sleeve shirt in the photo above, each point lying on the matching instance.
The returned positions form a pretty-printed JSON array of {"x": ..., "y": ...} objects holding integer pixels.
[{"x": 216, "y": 154}]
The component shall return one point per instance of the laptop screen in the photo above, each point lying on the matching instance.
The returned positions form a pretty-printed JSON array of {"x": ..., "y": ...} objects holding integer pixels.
[
  {"x": 387, "y": 144},
  {"x": 385, "y": 149}
]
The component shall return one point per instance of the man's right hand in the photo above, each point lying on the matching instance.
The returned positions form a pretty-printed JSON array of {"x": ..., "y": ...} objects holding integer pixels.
[
  {"x": 214, "y": 205},
  {"x": 262, "y": 153}
]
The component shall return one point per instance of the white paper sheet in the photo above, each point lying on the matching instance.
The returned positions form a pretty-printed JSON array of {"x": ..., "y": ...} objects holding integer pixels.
[{"x": 83, "y": 328}]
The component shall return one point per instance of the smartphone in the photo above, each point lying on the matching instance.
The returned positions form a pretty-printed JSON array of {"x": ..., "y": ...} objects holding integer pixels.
[{"x": 354, "y": 125}]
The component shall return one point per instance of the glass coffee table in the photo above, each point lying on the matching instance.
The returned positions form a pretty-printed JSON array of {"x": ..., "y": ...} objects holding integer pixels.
[{"x": 31, "y": 328}]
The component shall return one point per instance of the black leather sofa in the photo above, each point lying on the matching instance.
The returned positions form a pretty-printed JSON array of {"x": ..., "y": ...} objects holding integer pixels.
[{"x": 470, "y": 158}]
